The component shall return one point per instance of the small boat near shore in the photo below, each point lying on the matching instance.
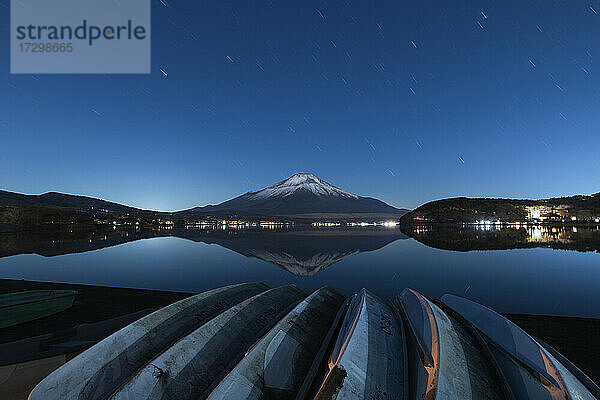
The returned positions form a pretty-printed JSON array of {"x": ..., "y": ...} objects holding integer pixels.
[
  {"x": 529, "y": 368},
  {"x": 444, "y": 360},
  {"x": 20, "y": 307},
  {"x": 276, "y": 367},
  {"x": 369, "y": 358}
]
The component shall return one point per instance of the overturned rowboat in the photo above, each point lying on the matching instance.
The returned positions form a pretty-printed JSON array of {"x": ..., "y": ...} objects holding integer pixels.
[
  {"x": 369, "y": 357},
  {"x": 20, "y": 307},
  {"x": 250, "y": 342},
  {"x": 278, "y": 364},
  {"x": 529, "y": 368}
]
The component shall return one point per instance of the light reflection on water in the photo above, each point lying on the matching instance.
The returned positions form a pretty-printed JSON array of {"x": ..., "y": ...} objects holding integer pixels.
[
  {"x": 542, "y": 233},
  {"x": 513, "y": 236}
]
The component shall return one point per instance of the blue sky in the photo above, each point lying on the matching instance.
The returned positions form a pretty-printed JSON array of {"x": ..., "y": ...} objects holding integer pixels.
[{"x": 403, "y": 101}]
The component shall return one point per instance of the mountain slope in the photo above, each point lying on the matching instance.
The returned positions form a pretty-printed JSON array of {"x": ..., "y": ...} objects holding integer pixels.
[
  {"x": 21, "y": 212},
  {"x": 62, "y": 201},
  {"x": 300, "y": 194}
]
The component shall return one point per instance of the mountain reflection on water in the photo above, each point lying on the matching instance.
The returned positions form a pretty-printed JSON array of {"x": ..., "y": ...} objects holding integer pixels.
[
  {"x": 302, "y": 252},
  {"x": 497, "y": 237}
]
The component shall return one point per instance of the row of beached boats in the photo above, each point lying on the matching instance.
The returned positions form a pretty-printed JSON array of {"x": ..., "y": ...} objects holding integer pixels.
[{"x": 248, "y": 341}]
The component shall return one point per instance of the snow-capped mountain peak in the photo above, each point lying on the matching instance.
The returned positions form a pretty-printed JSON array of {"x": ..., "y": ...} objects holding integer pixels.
[{"x": 302, "y": 182}]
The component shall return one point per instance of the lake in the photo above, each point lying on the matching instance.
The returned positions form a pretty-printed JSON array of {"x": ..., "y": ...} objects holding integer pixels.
[{"x": 529, "y": 270}]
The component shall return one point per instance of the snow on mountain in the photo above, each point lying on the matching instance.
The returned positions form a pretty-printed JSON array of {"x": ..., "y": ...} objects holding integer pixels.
[
  {"x": 299, "y": 194},
  {"x": 301, "y": 182}
]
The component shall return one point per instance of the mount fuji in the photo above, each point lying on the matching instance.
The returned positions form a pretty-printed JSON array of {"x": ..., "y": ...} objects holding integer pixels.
[{"x": 301, "y": 195}]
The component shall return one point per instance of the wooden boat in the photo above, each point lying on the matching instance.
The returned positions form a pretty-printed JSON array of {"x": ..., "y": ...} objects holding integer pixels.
[
  {"x": 445, "y": 362},
  {"x": 278, "y": 365},
  {"x": 369, "y": 358},
  {"x": 20, "y": 307},
  {"x": 100, "y": 370},
  {"x": 195, "y": 364},
  {"x": 531, "y": 371}
]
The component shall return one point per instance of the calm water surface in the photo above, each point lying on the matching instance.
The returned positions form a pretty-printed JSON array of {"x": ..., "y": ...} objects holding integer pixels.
[{"x": 536, "y": 280}]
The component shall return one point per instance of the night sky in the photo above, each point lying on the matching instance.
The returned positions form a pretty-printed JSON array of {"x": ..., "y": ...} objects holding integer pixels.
[{"x": 404, "y": 101}]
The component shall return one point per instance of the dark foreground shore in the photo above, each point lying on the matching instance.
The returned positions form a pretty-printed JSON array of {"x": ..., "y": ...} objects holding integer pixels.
[{"x": 43, "y": 345}]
